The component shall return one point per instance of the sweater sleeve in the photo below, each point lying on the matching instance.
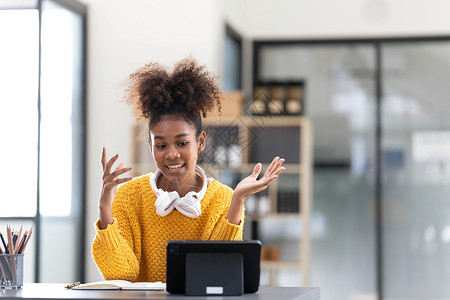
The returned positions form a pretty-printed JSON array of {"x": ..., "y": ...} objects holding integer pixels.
[
  {"x": 113, "y": 248},
  {"x": 224, "y": 230}
]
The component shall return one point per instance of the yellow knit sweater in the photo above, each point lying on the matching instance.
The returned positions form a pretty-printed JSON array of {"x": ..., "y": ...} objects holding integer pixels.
[{"x": 134, "y": 247}]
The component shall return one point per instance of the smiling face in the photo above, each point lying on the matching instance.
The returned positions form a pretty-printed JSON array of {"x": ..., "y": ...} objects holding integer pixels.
[{"x": 175, "y": 150}]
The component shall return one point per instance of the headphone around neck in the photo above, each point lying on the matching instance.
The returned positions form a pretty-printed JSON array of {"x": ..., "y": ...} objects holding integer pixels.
[{"x": 189, "y": 205}]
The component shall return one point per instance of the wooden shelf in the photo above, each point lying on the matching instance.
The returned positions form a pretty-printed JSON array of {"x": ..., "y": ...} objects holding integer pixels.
[
  {"x": 253, "y": 121},
  {"x": 248, "y": 125}
]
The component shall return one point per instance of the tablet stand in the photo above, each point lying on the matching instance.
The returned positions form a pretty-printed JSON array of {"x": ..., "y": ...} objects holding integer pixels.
[{"x": 220, "y": 274}]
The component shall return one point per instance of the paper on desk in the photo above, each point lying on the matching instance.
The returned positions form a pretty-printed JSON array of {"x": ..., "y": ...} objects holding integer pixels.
[{"x": 121, "y": 285}]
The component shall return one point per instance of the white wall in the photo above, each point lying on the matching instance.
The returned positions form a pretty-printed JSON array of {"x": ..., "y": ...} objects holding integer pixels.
[
  {"x": 122, "y": 36},
  {"x": 271, "y": 19}
]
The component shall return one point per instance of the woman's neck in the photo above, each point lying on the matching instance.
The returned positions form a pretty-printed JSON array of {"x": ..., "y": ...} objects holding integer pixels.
[{"x": 194, "y": 183}]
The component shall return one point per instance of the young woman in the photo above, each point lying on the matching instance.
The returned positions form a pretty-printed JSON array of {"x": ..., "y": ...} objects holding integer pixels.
[{"x": 177, "y": 201}]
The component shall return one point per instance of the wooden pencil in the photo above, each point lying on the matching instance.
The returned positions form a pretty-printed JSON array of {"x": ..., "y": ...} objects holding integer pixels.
[
  {"x": 14, "y": 240},
  {"x": 10, "y": 241},
  {"x": 3, "y": 241},
  {"x": 25, "y": 235},
  {"x": 18, "y": 240},
  {"x": 20, "y": 244},
  {"x": 28, "y": 238},
  {"x": 12, "y": 264}
]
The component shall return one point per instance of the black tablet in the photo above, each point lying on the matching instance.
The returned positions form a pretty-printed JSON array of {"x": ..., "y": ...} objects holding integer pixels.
[{"x": 177, "y": 251}]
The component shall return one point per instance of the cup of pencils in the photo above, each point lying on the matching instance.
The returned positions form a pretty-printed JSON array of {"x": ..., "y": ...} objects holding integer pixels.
[{"x": 12, "y": 250}]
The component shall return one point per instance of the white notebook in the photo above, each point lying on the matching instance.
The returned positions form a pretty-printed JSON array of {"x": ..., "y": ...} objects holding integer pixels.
[{"x": 121, "y": 285}]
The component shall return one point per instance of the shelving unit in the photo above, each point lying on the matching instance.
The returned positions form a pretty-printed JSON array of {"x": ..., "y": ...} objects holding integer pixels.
[
  {"x": 232, "y": 144},
  {"x": 295, "y": 146}
]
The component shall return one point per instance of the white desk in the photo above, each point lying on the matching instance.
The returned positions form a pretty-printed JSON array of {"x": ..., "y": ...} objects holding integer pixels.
[{"x": 52, "y": 291}]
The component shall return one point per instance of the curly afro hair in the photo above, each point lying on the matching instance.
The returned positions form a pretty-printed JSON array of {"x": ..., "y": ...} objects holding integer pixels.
[{"x": 189, "y": 92}]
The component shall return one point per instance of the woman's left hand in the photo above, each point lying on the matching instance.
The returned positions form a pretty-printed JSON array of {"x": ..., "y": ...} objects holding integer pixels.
[{"x": 250, "y": 185}]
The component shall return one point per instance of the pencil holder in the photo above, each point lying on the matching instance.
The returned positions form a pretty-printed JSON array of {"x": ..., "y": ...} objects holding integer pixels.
[{"x": 11, "y": 270}]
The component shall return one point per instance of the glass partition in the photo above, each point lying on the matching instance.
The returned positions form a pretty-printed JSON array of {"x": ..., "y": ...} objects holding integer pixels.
[
  {"x": 339, "y": 99},
  {"x": 416, "y": 164},
  {"x": 340, "y": 86}
]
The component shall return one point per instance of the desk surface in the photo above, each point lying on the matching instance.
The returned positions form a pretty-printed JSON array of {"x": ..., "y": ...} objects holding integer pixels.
[{"x": 57, "y": 291}]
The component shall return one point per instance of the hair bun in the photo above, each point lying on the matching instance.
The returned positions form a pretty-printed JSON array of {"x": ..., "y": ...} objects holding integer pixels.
[{"x": 189, "y": 88}]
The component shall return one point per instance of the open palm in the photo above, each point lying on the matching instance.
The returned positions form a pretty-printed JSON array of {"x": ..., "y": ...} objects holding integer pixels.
[{"x": 251, "y": 185}]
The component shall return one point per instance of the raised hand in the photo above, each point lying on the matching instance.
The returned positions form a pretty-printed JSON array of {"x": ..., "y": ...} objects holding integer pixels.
[
  {"x": 111, "y": 181},
  {"x": 251, "y": 185}
]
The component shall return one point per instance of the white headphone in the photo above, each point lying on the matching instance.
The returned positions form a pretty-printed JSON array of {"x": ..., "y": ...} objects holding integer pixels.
[{"x": 188, "y": 205}]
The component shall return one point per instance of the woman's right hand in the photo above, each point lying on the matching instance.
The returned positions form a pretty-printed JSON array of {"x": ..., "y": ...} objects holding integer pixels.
[{"x": 111, "y": 181}]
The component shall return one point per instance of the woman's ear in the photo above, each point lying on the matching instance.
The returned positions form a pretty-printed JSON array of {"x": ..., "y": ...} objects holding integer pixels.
[{"x": 201, "y": 141}]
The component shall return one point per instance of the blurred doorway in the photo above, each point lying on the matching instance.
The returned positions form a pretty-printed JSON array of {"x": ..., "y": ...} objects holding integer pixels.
[{"x": 381, "y": 141}]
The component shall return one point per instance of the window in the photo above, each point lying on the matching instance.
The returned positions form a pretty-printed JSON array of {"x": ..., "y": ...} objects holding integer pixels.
[
  {"x": 232, "y": 61},
  {"x": 43, "y": 133}
]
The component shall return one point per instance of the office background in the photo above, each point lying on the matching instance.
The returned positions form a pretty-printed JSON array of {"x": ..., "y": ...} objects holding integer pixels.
[{"x": 124, "y": 35}]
